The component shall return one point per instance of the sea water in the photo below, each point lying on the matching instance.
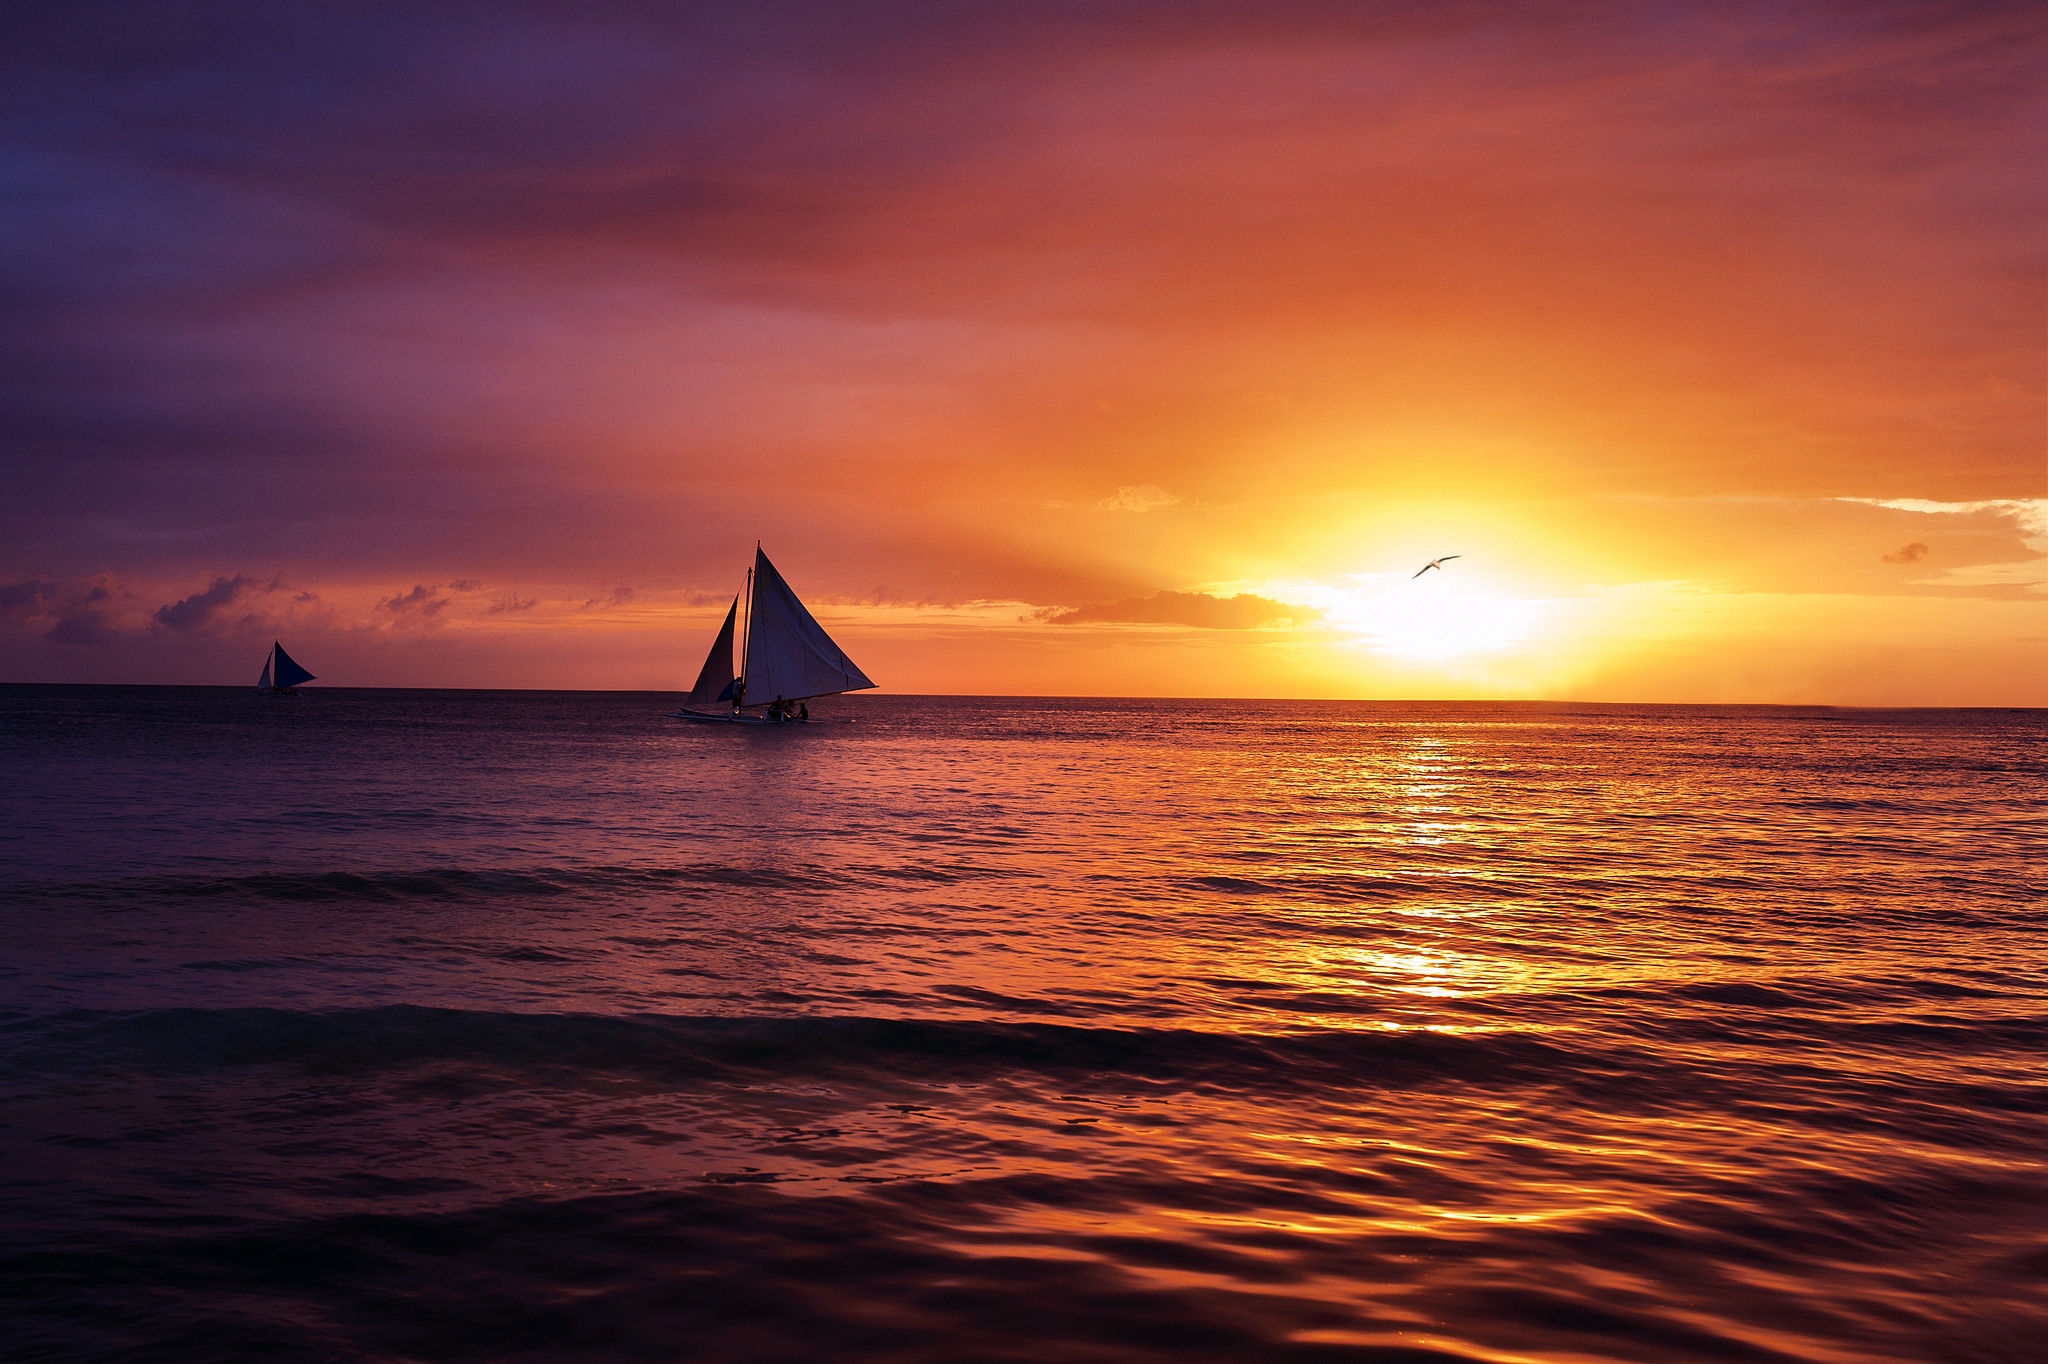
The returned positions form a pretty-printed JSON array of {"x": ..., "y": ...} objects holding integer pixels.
[{"x": 414, "y": 1025}]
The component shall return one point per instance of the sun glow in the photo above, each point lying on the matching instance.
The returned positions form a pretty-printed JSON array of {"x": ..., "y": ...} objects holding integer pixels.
[
  {"x": 1424, "y": 619},
  {"x": 1450, "y": 623}
]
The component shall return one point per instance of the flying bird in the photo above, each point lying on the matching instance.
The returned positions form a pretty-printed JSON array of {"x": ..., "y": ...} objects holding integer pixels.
[{"x": 1436, "y": 564}]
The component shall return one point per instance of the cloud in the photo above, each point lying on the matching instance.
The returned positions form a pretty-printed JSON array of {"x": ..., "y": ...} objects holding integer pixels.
[
  {"x": 467, "y": 585},
  {"x": 619, "y": 597},
  {"x": 21, "y": 600},
  {"x": 1197, "y": 609},
  {"x": 1140, "y": 497},
  {"x": 80, "y": 613},
  {"x": 504, "y": 605},
  {"x": 199, "y": 609},
  {"x": 2006, "y": 570},
  {"x": 2029, "y": 513},
  {"x": 85, "y": 623},
  {"x": 88, "y": 626},
  {"x": 421, "y": 601}
]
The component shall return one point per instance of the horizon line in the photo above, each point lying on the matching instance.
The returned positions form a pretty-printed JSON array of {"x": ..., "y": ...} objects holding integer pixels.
[{"x": 867, "y": 694}]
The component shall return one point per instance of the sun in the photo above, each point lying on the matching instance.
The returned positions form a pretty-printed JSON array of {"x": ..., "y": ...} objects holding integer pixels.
[{"x": 1438, "y": 616}]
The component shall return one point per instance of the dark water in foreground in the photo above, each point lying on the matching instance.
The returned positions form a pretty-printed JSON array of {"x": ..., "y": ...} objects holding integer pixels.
[{"x": 450, "y": 1026}]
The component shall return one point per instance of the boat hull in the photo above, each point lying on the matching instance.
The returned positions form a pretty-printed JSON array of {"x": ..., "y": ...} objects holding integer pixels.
[{"x": 706, "y": 717}]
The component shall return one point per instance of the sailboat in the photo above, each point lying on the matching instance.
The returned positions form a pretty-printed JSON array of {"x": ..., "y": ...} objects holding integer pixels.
[
  {"x": 281, "y": 674},
  {"x": 784, "y": 656}
]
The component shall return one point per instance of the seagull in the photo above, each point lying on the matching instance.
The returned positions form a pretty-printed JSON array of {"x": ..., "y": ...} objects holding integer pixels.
[{"x": 1437, "y": 564}]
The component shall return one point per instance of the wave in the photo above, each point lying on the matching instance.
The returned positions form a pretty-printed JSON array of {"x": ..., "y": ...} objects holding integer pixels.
[
  {"x": 668, "y": 1049},
  {"x": 941, "y": 1272},
  {"x": 717, "y": 1274},
  {"x": 460, "y": 884}
]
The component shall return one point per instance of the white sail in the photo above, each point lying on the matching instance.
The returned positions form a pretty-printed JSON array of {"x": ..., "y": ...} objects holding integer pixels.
[
  {"x": 714, "y": 683},
  {"x": 263, "y": 682},
  {"x": 789, "y": 655}
]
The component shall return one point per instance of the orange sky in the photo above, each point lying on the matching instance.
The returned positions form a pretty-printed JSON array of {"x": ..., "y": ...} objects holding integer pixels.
[{"x": 478, "y": 350}]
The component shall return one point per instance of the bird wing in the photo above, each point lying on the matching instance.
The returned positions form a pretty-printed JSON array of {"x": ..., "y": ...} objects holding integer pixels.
[
  {"x": 1447, "y": 558},
  {"x": 1420, "y": 571}
]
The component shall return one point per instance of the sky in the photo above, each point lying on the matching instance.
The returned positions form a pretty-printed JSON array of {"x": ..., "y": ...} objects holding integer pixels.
[{"x": 1082, "y": 349}]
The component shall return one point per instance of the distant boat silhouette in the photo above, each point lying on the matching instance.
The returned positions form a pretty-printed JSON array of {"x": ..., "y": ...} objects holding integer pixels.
[
  {"x": 281, "y": 674},
  {"x": 785, "y": 657}
]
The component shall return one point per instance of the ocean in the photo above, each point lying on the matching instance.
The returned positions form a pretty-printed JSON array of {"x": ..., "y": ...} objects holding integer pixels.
[{"x": 435, "y": 1025}]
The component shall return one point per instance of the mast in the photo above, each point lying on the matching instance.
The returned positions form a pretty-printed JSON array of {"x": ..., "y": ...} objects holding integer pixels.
[{"x": 746, "y": 635}]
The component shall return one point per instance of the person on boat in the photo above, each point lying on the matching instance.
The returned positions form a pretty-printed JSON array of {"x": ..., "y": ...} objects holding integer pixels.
[
  {"x": 779, "y": 711},
  {"x": 803, "y": 712}
]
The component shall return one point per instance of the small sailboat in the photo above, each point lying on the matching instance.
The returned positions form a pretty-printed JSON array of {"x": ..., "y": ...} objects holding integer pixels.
[
  {"x": 281, "y": 674},
  {"x": 784, "y": 656}
]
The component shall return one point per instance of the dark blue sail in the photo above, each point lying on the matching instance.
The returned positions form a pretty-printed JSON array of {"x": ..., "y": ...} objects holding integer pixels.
[{"x": 287, "y": 672}]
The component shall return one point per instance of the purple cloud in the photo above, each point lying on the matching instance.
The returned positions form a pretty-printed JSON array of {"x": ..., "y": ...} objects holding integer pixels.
[
  {"x": 422, "y": 602},
  {"x": 83, "y": 627},
  {"x": 199, "y": 609},
  {"x": 22, "y": 599},
  {"x": 84, "y": 621}
]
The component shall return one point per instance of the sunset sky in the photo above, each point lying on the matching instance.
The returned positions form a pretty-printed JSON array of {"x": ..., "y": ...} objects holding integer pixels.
[{"x": 1076, "y": 349}]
